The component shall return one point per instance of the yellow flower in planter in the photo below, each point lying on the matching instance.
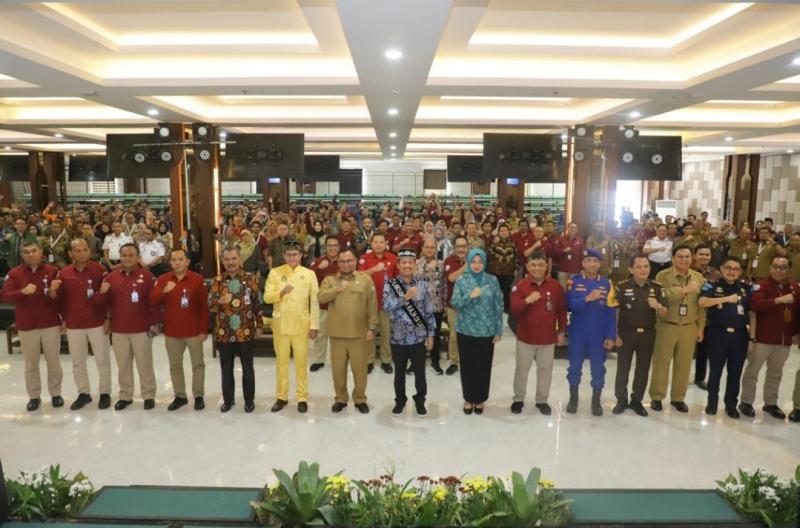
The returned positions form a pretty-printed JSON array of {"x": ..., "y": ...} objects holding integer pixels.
[
  {"x": 439, "y": 494},
  {"x": 408, "y": 495},
  {"x": 475, "y": 485},
  {"x": 547, "y": 484}
]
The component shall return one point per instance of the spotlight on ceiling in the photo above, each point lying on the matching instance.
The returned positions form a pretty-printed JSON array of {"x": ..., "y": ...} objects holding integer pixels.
[
  {"x": 393, "y": 111},
  {"x": 796, "y": 61},
  {"x": 152, "y": 112},
  {"x": 393, "y": 147},
  {"x": 563, "y": 137},
  {"x": 392, "y": 134},
  {"x": 393, "y": 54},
  {"x": 205, "y": 154},
  {"x": 139, "y": 157},
  {"x": 635, "y": 115},
  {"x": 223, "y": 134},
  {"x": 790, "y": 151},
  {"x": 166, "y": 156},
  {"x": 9, "y": 148},
  {"x": 59, "y": 135},
  {"x": 202, "y": 131},
  {"x": 163, "y": 131},
  {"x": 627, "y": 157},
  {"x": 729, "y": 138}
]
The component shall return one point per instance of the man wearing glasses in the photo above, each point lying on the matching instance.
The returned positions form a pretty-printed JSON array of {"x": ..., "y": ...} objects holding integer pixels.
[
  {"x": 454, "y": 267},
  {"x": 727, "y": 301},
  {"x": 325, "y": 265},
  {"x": 775, "y": 303}
]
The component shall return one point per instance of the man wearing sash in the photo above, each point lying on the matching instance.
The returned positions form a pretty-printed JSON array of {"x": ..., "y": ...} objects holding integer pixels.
[{"x": 410, "y": 307}]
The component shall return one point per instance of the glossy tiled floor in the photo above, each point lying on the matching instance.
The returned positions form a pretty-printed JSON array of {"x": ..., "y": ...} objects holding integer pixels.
[{"x": 208, "y": 448}]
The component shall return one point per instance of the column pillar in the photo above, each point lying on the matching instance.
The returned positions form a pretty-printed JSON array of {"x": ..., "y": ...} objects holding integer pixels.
[
  {"x": 511, "y": 196},
  {"x": 741, "y": 188},
  {"x": 276, "y": 195},
  {"x": 205, "y": 193},
  {"x": 37, "y": 181},
  {"x": 177, "y": 187},
  {"x": 55, "y": 176}
]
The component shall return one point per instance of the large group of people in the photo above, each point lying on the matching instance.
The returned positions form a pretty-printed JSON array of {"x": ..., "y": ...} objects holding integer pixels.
[{"x": 361, "y": 285}]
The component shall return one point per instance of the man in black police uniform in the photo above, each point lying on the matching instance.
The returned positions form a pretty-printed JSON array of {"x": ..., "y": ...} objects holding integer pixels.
[
  {"x": 639, "y": 301},
  {"x": 727, "y": 336}
]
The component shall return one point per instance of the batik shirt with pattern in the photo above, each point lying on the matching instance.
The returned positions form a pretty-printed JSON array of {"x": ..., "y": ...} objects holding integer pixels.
[{"x": 236, "y": 321}]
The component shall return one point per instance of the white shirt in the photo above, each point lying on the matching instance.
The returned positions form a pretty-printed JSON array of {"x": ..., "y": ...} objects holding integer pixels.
[
  {"x": 113, "y": 243},
  {"x": 660, "y": 257},
  {"x": 151, "y": 250}
]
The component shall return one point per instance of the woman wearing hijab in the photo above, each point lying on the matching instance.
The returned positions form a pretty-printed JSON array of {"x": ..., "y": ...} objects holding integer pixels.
[
  {"x": 443, "y": 244},
  {"x": 314, "y": 246},
  {"x": 247, "y": 251},
  {"x": 479, "y": 302}
]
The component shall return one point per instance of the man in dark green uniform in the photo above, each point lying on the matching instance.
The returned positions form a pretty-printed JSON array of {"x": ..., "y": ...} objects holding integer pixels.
[{"x": 640, "y": 299}]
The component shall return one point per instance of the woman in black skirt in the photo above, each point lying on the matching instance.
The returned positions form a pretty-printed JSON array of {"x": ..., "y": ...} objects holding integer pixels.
[{"x": 479, "y": 302}]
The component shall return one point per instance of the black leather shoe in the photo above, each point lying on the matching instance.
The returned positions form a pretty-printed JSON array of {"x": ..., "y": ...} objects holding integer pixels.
[
  {"x": 338, "y": 407},
  {"x": 105, "y": 402},
  {"x": 278, "y": 405},
  {"x": 656, "y": 405},
  {"x": 177, "y": 403},
  {"x": 637, "y": 407},
  {"x": 701, "y": 384},
  {"x": 122, "y": 404},
  {"x": 469, "y": 410},
  {"x": 398, "y": 408},
  {"x": 421, "y": 410},
  {"x": 516, "y": 407},
  {"x": 711, "y": 410},
  {"x": 544, "y": 409},
  {"x": 370, "y": 368},
  {"x": 620, "y": 407},
  {"x": 316, "y": 366},
  {"x": 225, "y": 407},
  {"x": 302, "y": 407},
  {"x": 747, "y": 410},
  {"x": 452, "y": 369},
  {"x": 79, "y": 404},
  {"x": 794, "y": 416},
  {"x": 199, "y": 404},
  {"x": 57, "y": 401},
  {"x": 149, "y": 404},
  {"x": 774, "y": 410},
  {"x": 680, "y": 406},
  {"x": 387, "y": 368},
  {"x": 249, "y": 407},
  {"x": 437, "y": 369},
  {"x": 363, "y": 408},
  {"x": 732, "y": 412},
  {"x": 478, "y": 410},
  {"x": 33, "y": 404}
]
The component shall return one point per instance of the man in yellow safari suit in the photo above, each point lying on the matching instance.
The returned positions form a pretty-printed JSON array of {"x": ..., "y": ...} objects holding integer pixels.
[{"x": 292, "y": 289}]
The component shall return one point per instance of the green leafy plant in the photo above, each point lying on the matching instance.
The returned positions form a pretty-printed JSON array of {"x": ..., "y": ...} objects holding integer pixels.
[
  {"x": 299, "y": 500},
  {"x": 528, "y": 502},
  {"x": 48, "y": 494},
  {"x": 763, "y": 497}
]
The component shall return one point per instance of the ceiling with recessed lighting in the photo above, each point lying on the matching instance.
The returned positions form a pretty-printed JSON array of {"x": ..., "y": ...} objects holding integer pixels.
[{"x": 417, "y": 79}]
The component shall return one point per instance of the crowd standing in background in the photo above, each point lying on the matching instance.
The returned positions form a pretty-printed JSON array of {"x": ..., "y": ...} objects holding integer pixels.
[{"x": 380, "y": 282}]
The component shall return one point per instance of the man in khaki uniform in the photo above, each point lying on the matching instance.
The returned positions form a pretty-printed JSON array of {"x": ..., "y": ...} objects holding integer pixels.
[
  {"x": 57, "y": 245},
  {"x": 678, "y": 330},
  {"x": 765, "y": 250},
  {"x": 793, "y": 254},
  {"x": 604, "y": 244},
  {"x": 352, "y": 320},
  {"x": 690, "y": 237},
  {"x": 743, "y": 249},
  {"x": 293, "y": 290}
]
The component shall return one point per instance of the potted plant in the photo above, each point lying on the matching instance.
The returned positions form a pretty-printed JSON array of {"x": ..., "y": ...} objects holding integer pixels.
[
  {"x": 48, "y": 494},
  {"x": 763, "y": 497}
]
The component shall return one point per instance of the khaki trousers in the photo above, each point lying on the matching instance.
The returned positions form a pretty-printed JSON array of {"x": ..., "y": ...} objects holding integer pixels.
[
  {"x": 796, "y": 394},
  {"x": 674, "y": 346},
  {"x": 355, "y": 351},
  {"x": 525, "y": 356},
  {"x": 285, "y": 345},
  {"x": 775, "y": 357},
  {"x": 79, "y": 340},
  {"x": 130, "y": 347},
  {"x": 452, "y": 341},
  {"x": 382, "y": 339},
  {"x": 319, "y": 346},
  {"x": 563, "y": 277},
  {"x": 33, "y": 343},
  {"x": 175, "y": 348}
]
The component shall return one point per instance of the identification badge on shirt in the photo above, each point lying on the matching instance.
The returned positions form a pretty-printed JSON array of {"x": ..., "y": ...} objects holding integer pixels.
[
  {"x": 89, "y": 293},
  {"x": 134, "y": 296},
  {"x": 740, "y": 309},
  {"x": 247, "y": 300},
  {"x": 755, "y": 263},
  {"x": 683, "y": 310},
  {"x": 51, "y": 258},
  {"x": 184, "y": 300},
  {"x": 744, "y": 256},
  {"x": 603, "y": 250},
  {"x": 569, "y": 256},
  {"x": 548, "y": 306},
  {"x": 616, "y": 263}
]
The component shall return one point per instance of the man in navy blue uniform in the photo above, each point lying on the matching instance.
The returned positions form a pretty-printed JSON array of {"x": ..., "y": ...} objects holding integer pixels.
[
  {"x": 592, "y": 328},
  {"x": 727, "y": 334}
]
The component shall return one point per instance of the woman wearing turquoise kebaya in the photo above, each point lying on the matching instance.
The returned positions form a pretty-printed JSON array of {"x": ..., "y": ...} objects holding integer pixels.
[{"x": 479, "y": 302}]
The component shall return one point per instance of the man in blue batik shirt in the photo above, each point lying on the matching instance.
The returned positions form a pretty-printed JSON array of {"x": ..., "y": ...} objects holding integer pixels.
[{"x": 413, "y": 326}]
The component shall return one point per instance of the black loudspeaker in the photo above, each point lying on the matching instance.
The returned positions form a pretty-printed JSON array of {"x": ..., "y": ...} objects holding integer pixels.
[
  {"x": 4, "y": 506},
  {"x": 583, "y": 143},
  {"x": 203, "y": 133}
]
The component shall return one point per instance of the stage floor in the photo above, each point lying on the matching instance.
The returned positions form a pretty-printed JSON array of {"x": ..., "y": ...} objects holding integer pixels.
[{"x": 207, "y": 448}]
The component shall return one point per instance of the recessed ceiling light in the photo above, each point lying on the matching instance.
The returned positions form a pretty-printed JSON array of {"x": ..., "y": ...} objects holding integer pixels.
[
  {"x": 8, "y": 148},
  {"x": 393, "y": 111},
  {"x": 393, "y": 147},
  {"x": 790, "y": 151},
  {"x": 392, "y": 134},
  {"x": 152, "y": 112},
  {"x": 393, "y": 54},
  {"x": 223, "y": 134},
  {"x": 729, "y": 138},
  {"x": 59, "y": 135},
  {"x": 563, "y": 136},
  {"x": 635, "y": 115},
  {"x": 393, "y": 154},
  {"x": 796, "y": 61}
]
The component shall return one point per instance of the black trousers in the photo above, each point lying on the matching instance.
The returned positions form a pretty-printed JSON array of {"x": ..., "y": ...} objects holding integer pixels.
[
  {"x": 227, "y": 352},
  {"x": 725, "y": 349},
  {"x": 641, "y": 345},
  {"x": 437, "y": 339},
  {"x": 401, "y": 355},
  {"x": 655, "y": 268},
  {"x": 476, "y": 355},
  {"x": 700, "y": 361},
  {"x": 505, "y": 286}
]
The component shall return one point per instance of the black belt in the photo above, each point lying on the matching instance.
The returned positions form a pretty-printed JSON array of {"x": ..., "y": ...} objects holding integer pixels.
[
  {"x": 637, "y": 329},
  {"x": 679, "y": 324}
]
